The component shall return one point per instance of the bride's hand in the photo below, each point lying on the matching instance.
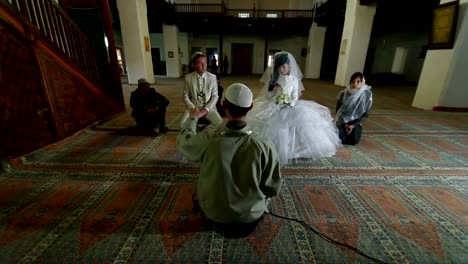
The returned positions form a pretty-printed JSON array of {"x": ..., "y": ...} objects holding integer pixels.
[{"x": 277, "y": 88}]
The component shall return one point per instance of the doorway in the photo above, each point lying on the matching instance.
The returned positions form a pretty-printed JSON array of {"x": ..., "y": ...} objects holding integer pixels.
[
  {"x": 331, "y": 46},
  {"x": 212, "y": 59},
  {"x": 242, "y": 56},
  {"x": 159, "y": 67}
]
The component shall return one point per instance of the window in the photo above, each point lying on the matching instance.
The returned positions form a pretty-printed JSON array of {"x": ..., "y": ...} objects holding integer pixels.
[
  {"x": 271, "y": 15},
  {"x": 271, "y": 53},
  {"x": 244, "y": 15}
]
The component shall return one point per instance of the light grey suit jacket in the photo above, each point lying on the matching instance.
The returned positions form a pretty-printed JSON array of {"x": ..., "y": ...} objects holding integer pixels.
[{"x": 210, "y": 91}]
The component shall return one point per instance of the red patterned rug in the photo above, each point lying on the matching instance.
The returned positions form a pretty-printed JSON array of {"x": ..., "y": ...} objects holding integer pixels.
[
  {"x": 102, "y": 196},
  {"x": 133, "y": 217}
]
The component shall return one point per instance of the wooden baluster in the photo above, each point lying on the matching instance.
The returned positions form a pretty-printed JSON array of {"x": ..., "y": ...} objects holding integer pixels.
[
  {"x": 82, "y": 51},
  {"x": 66, "y": 36},
  {"x": 94, "y": 63},
  {"x": 61, "y": 30},
  {"x": 58, "y": 28},
  {"x": 41, "y": 14},
  {"x": 37, "y": 15},
  {"x": 89, "y": 57},
  {"x": 24, "y": 9},
  {"x": 50, "y": 21},
  {"x": 71, "y": 41},
  {"x": 45, "y": 17},
  {"x": 76, "y": 44},
  {"x": 16, "y": 4},
  {"x": 78, "y": 50}
]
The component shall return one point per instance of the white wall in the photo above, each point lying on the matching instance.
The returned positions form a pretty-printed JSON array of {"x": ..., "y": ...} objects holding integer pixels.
[
  {"x": 258, "y": 50},
  {"x": 385, "y": 52},
  {"x": 455, "y": 92},
  {"x": 184, "y": 48},
  {"x": 242, "y": 4},
  {"x": 171, "y": 44},
  {"x": 292, "y": 44},
  {"x": 157, "y": 41},
  {"x": 203, "y": 42},
  {"x": 274, "y": 4}
]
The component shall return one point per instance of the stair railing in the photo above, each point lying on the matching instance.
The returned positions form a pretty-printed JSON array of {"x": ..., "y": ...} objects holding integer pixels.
[{"x": 49, "y": 18}]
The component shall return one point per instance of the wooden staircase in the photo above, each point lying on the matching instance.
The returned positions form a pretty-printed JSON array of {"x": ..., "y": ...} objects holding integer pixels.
[{"x": 53, "y": 81}]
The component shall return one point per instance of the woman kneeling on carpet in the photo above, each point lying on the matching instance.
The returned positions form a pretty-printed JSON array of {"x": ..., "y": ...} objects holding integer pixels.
[{"x": 354, "y": 102}]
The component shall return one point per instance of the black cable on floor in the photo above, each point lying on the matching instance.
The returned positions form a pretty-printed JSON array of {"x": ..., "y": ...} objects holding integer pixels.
[{"x": 326, "y": 238}]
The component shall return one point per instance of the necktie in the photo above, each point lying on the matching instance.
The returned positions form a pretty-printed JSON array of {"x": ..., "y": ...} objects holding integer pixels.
[
  {"x": 200, "y": 93},
  {"x": 200, "y": 83}
]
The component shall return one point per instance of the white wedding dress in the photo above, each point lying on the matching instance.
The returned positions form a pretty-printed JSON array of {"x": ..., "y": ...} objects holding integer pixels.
[{"x": 302, "y": 129}]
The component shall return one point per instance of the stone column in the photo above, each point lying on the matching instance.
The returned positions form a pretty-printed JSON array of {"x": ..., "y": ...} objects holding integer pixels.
[
  {"x": 442, "y": 83},
  {"x": 399, "y": 60},
  {"x": 314, "y": 51},
  {"x": 354, "y": 41},
  {"x": 171, "y": 45},
  {"x": 135, "y": 37}
]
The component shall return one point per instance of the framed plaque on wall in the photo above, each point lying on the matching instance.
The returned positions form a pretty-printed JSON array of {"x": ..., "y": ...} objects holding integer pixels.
[{"x": 443, "y": 26}]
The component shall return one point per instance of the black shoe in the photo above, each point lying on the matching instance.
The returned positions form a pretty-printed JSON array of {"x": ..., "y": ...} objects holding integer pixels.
[
  {"x": 163, "y": 129},
  {"x": 195, "y": 205}
]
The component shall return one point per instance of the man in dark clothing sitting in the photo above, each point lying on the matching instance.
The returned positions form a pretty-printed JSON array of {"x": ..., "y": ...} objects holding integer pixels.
[
  {"x": 149, "y": 107},
  {"x": 219, "y": 107}
]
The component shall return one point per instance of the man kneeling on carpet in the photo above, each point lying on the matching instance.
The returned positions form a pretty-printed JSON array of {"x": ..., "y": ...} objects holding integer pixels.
[
  {"x": 239, "y": 170},
  {"x": 149, "y": 108}
]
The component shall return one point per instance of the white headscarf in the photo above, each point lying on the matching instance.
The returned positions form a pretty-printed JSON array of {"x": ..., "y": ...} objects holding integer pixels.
[
  {"x": 356, "y": 102},
  {"x": 271, "y": 74}
]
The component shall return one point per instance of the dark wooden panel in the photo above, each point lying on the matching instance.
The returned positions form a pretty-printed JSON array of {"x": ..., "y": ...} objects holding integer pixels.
[
  {"x": 24, "y": 119},
  {"x": 242, "y": 58},
  {"x": 44, "y": 96},
  {"x": 76, "y": 105}
]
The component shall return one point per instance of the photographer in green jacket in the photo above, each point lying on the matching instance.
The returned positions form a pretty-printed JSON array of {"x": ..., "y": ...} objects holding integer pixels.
[{"x": 239, "y": 169}]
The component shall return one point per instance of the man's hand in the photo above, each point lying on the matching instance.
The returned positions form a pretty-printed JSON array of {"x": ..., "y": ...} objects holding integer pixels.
[
  {"x": 277, "y": 88},
  {"x": 349, "y": 128},
  {"x": 198, "y": 112},
  {"x": 194, "y": 112},
  {"x": 203, "y": 112}
]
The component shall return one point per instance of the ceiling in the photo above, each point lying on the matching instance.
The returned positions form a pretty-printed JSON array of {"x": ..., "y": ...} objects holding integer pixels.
[{"x": 392, "y": 16}]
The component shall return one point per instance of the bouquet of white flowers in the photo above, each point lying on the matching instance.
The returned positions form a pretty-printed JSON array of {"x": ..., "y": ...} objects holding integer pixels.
[{"x": 283, "y": 99}]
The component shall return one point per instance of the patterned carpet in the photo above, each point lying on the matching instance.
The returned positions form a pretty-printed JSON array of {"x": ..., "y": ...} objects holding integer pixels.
[{"x": 105, "y": 196}]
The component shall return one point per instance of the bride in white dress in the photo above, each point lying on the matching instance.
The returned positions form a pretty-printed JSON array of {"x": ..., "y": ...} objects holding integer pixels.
[{"x": 298, "y": 128}]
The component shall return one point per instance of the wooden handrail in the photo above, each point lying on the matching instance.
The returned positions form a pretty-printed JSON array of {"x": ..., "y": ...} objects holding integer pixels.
[{"x": 57, "y": 26}]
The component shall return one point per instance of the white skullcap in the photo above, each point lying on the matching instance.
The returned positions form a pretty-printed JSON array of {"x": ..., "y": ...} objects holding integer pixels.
[
  {"x": 238, "y": 94},
  {"x": 196, "y": 53},
  {"x": 142, "y": 81}
]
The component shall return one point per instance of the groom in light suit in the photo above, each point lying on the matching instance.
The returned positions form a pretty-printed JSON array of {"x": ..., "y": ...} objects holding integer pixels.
[{"x": 201, "y": 89}]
